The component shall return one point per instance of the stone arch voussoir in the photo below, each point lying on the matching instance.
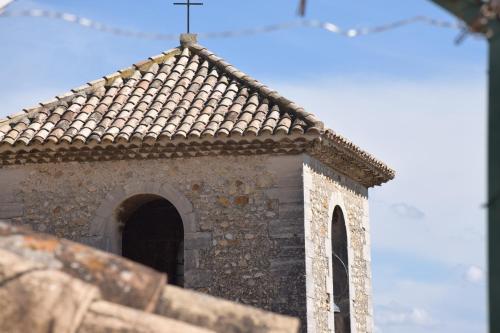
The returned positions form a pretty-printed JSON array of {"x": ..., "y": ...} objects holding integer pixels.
[
  {"x": 337, "y": 199},
  {"x": 104, "y": 225}
]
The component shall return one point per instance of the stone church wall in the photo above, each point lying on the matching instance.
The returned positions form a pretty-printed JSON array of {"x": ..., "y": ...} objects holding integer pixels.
[
  {"x": 243, "y": 217},
  {"x": 324, "y": 189},
  {"x": 248, "y": 237}
]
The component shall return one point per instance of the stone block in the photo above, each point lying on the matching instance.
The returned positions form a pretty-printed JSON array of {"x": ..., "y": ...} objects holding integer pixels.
[
  {"x": 197, "y": 240},
  {"x": 172, "y": 194},
  {"x": 307, "y": 232},
  {"x": 291, "y": 164},
  {"x": 311, "y": 320},
  {"x": 291, "y": 252},
  {"x": 290, "y": 180},
  {"x": 98, "y": 226},
  {"x": 287, "y": 265},
  {"x": 241, "y": 200},
  {"x": 328, "y": 246},
  {"x": 10, "y": 179},
  {"x": 292, "y": 211},
  {"x": 331, "y": 321},
  {"x": 117, "y": 196},
  {"x": 96, "y": 242},
  {"x": 106, "y": 210},
  {"x": 7, "y": 195},
  {"x": 329, "y": 284},
  {"x": 283, "y": 230},
  {"x": 286, "y": 195},
  {"x": 310, "y": 287},
  {"x": 189, "y": 221},
  {"x": 133, "y": 188},
  {"x": 152, "y": 187},
  {"x": 223, "y": 201},
  {"x": 11, "y": 210},
  {"x": 191, "y": 259},
  {"x": 197, "y": 278}
]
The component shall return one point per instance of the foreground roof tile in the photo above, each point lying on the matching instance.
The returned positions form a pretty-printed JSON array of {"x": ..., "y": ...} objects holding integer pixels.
[{"x": 60, "y": 286}]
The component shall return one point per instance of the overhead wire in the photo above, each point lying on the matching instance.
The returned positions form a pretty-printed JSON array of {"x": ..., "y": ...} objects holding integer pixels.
[
  {"x": 4, "y": 4},
  {"x": 304, "y": 23}
]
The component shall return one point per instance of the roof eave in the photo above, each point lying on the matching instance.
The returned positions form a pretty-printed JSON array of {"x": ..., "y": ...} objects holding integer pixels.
[
  {"x": 343, "y": 156},
  {"x": 162, "y": 149}
]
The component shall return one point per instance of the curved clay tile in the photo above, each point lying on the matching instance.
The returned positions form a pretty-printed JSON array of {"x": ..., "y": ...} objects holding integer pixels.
[{"x": 187, "y": 92}]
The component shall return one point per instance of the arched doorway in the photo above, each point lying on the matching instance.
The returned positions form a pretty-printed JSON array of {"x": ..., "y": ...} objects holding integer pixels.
[
  {"x": 340, "y": 270},
  {"x": 153, "y": 235}
]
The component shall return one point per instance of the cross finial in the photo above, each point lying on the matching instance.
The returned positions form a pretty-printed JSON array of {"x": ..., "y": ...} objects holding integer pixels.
[{"x": 188, "y": 5}]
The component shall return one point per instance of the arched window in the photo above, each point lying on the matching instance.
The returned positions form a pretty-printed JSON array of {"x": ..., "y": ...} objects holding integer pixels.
[
  {"x": 340, "y": 273},
  {"x": 153, "y": 235}
]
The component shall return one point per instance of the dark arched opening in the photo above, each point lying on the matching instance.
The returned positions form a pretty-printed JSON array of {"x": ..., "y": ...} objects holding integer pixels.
[
  {"x": 153, "y": 235},
  {"x": 340, "y": 270}
]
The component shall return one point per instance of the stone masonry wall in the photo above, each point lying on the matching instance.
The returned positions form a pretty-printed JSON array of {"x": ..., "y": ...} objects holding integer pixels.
[
  {"x": 243, "y": 217},
  {"x": 324, "y": 189}
]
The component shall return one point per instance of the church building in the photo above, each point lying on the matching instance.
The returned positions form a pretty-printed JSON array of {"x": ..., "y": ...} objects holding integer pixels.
[{"x": 187, "y": 165}]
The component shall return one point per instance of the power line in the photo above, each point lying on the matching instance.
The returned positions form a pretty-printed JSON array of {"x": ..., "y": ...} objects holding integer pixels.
[
  {"x": 327, "y": 26},
  {"x": 4, "y": 4}
]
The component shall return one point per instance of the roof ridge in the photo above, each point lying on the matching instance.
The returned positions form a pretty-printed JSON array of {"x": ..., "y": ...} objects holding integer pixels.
[{"x": 283, "y": 102}]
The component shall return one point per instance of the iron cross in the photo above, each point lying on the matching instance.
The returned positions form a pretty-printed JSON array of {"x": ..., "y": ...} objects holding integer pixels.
[{"x": 188, "y": 5}]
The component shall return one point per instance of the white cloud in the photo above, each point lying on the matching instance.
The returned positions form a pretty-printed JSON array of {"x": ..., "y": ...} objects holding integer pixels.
[
  {"x": 409, "y": 305},
  {"x": 412, "y": 292},
  {"x": 405, "y": 210},
  {"x": 474, "y": 274},
  {"x": 397, "y": 315}
]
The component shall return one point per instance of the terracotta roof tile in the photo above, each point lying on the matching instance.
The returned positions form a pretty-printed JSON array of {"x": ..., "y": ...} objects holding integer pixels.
[
  {"x": 185, "y": 93},
  {"x": 80, "y": 289}
]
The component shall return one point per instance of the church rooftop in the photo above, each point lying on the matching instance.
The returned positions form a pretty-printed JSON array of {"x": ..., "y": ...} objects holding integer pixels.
[{"x": 183, "y": 102}]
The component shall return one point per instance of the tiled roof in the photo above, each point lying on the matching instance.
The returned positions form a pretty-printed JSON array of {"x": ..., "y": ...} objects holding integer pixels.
[{"x": 186, "y": 94}]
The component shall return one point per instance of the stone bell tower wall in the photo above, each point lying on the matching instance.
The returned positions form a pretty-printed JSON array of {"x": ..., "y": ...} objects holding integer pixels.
[
  {"x": 242, "y": 215},
  {"x": 324, "y": 189},
  {"x": 256, "y": 227}
]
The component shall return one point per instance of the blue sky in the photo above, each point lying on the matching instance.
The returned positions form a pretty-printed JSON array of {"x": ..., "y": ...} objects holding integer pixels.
[{"x": 410, "y": 96}]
